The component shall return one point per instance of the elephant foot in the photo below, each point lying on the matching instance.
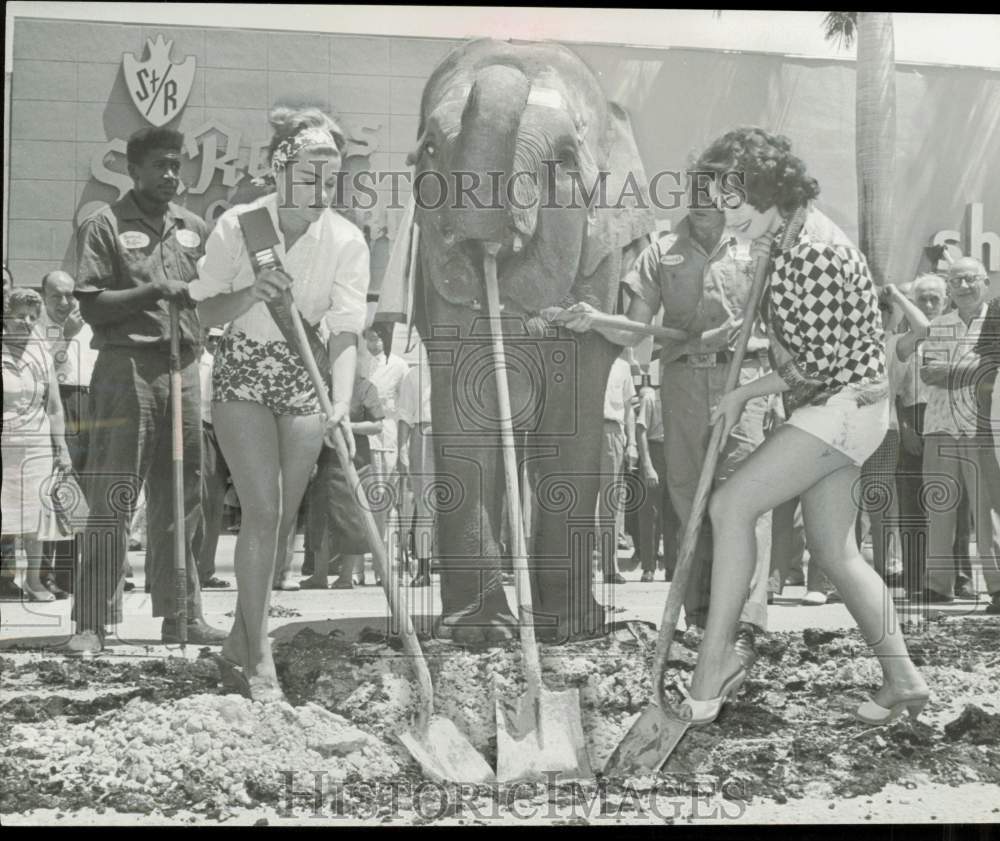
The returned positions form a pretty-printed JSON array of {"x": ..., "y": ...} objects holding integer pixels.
[
  {"x": 477, "y": 630},
  {"x": 590, "y": 624}
]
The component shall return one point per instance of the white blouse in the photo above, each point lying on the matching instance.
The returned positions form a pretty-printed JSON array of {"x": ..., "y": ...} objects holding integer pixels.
[{"x": 328, "y": 265}]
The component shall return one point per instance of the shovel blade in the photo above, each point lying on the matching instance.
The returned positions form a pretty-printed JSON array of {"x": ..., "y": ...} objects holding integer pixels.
[
  {"x": 648, "y": 744},
  {"x": 541, "y": 738},
  {"x": 445, "y": 754}
]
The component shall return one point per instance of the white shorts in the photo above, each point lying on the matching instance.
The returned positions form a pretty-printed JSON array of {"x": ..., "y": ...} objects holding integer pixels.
[{"x": 853, "y": 429}]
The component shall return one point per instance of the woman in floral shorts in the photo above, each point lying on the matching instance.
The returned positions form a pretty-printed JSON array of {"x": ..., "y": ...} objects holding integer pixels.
[{"x": 265, "y": 411}]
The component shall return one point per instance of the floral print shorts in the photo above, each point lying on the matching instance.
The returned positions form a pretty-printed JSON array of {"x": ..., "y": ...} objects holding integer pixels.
[{"x": 269, "y": 373}]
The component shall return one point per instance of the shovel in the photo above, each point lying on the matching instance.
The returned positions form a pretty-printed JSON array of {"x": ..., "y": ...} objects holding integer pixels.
[
  {"x": 539, "y": 735},
  {"x": 177, "y": 477},
  {"x": 435, "y": 742},
  {"x": 654, "y": 735}
]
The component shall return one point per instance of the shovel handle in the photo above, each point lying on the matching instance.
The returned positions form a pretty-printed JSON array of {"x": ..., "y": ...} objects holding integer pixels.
[
  {"x": 522, "y": 582},
  {"x": 390, "y": 582},
  {"x": 685, "y": 555},
  {"x": 177, "y": 476},
  {"x": 618, "y": 322}
]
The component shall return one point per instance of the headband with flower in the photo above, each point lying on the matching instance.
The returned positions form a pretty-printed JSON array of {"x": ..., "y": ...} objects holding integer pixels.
[{"x": 290, "y": 147}]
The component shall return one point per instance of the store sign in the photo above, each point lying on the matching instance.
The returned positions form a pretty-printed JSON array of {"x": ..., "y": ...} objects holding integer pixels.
[
  {"x": 974, "y": 241},
  {"x": 158, "y": 87}
]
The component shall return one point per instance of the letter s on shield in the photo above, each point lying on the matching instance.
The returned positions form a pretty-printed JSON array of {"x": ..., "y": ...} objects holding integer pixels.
[{"x": 158, "y": 87}]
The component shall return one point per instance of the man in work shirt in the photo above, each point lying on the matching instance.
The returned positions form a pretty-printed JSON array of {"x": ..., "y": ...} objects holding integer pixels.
[
  {"x": 702, "y": 283},
  {"x": 136, "y": 257}
]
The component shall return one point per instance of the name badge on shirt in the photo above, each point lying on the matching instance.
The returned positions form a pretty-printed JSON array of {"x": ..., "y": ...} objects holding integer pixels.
[
  {"x": 133, "y": 239},
  {"x": 672, "y": 259},
  {"x": 189, "y": 239}
]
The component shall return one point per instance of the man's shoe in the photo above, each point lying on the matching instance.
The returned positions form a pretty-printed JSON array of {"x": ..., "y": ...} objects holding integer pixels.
[
  {"x": 934, "y": 597},
  {"x": 746, "y": 644},
  {"x": 421, "y": 580},
  {"x": 814, "y": 598},
  {"x": 647, "y": 576},
  {"x": 9, "y": 591},
  {"x": 129, "y": 586},
  {"x": 993, "y": 608},
  {"x": 57, "y": 591},
  {"x": 214, "y": 583},
  {"x": 199, "y": 632},
  {"x": 85, "y": 644}
]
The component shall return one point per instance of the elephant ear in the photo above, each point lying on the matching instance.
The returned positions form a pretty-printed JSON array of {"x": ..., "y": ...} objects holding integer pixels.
[{"x": 614, "y": 227}]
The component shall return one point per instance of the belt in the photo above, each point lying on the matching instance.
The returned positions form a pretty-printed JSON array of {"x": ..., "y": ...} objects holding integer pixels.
[
  {"x": 722, "y": 357},
  {"x": 85, "y": 389}
]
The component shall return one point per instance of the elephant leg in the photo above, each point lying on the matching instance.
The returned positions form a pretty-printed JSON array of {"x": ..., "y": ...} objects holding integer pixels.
[
  {"x": 474, "y": 608},
  {"x": 566, "y": 481}
]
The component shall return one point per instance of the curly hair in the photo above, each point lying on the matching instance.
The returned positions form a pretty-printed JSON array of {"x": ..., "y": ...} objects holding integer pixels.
[
  {"x": 771, "y": 174},
  {"x": 289, "y": 120},
  {"x": 145, "y": 140},
  {"x": 23, "y": 297}
]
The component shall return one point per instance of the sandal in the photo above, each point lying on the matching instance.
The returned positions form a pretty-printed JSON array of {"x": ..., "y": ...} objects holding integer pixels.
[
  {"x": 871, "y": 712},
  {"x": 705, "y": 712}
]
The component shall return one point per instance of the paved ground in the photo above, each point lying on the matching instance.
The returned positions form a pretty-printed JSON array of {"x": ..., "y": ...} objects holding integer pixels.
[{"x": 35, "y": 624}]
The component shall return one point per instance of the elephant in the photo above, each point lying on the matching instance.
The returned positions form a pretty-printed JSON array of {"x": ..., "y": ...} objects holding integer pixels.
[{"x": 526, "y": 131}]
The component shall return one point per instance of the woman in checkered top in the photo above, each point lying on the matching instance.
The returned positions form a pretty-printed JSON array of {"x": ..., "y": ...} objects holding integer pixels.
[{"x": 821, "y": 308}]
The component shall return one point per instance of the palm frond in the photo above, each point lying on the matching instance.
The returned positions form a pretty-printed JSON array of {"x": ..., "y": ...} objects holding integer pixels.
[{"x": 841, "y": 28}]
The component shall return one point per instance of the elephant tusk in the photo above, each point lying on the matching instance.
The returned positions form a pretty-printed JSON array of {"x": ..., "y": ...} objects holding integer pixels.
[{"x": 518, "y": 243}]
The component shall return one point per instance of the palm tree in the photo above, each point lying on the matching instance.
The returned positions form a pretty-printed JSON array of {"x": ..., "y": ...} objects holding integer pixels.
[{"x": 875, "y": 126}]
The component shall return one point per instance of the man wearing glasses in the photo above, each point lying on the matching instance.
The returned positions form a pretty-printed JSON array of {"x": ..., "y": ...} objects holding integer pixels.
[{"x": 957, "y": 452}]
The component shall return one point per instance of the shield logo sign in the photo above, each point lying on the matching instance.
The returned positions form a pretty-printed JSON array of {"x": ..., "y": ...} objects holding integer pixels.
[{"x": 158, "y": 87}]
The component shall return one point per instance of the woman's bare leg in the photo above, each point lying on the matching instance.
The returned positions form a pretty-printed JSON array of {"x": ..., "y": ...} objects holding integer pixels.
[
  {"x": 786, "y": 465},
  {"x": 828, "y": 510},
  {"x": 300, "y": 439},
  {"x": 248, "y": 436}
]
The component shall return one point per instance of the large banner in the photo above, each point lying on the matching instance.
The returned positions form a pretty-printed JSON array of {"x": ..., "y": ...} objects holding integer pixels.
[{"x": 947, "y": 178}]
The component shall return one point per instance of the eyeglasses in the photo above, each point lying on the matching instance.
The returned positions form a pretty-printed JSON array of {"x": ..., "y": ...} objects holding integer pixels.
[{"x": 970, "y": 279}]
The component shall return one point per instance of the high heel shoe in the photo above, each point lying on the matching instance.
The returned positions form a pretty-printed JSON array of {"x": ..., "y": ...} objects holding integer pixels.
[
  {"x": 705, "y": 712},
  {"x": 871, "y": 712},
  {"x": 38, "y": 594}
]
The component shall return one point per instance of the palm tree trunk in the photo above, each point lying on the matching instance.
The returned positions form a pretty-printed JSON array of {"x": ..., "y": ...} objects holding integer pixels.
[{"x": 875, "y": 138}]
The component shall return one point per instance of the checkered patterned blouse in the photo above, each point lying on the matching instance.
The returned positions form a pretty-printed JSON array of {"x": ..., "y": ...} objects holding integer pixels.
[{"x": 822, "y": 306}]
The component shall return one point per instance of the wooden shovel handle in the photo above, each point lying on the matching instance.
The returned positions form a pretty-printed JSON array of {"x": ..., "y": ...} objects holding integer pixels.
[
  {"x": 685, "y": 555},
  {"x": 522, "y": 583}
]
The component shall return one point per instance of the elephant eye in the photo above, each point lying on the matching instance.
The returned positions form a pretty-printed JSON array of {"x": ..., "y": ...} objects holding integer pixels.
[
  {"x": 430, "y": 149},
  {"x": 567, "y": 158}
]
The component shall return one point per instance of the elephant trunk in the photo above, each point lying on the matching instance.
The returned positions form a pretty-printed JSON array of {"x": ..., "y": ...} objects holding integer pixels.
[{"x": 487, "y": 144}]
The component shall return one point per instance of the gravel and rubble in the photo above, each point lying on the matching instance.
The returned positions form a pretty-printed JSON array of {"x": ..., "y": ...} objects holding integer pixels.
[{"x": 155, "y": 735}]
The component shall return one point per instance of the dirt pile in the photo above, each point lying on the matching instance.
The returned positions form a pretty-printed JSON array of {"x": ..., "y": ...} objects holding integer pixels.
[{"x": 155, "y": 733}]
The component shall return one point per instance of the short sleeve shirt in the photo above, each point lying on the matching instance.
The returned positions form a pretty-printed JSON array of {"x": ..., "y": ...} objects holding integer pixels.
[
  {"x": 619, "y": 392},
  {"x": 328, "y": 265},
  {"x": 651, "y": 415},
  {"x": 415, "y": 396},
  {"x": 698, "y": 290},
  {"x": 386, "y": 374},
  {"x": 951, "y": 410},
  {"x": 122, "y": 247}
]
